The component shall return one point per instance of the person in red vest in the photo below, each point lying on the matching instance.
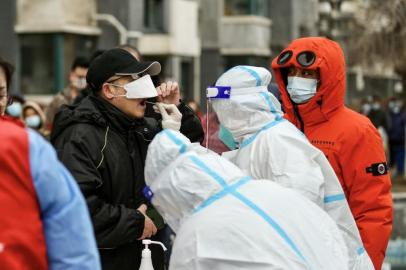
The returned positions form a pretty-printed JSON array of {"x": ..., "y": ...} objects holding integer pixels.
[
  {"x": 44, "y": 220},
  {"x": 311, "y": 77}
]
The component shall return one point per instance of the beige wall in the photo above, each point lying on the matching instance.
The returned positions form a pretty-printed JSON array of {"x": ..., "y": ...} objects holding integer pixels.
[
  {"x": 183, "y": 33},
  {"x": 245, "y": 35},
  {"x": 68, "y": 16}
]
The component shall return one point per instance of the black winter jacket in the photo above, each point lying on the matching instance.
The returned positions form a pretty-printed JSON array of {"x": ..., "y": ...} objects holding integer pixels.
[{"x": 105, "y": 151}]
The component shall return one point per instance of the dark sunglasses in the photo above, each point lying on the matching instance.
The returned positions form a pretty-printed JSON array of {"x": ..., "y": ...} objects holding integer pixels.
[{"x": 305, "y": 59}]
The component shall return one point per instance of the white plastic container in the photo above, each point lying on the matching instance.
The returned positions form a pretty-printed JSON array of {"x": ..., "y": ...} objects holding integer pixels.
[{"x": 146, "y": 261}]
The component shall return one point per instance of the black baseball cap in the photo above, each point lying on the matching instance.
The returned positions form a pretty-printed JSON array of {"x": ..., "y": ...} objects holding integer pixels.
[{"x": 117, "y": 62}]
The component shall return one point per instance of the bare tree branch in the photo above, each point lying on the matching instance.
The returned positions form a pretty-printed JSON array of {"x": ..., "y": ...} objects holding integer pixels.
[{"x": 379, "y": 34}]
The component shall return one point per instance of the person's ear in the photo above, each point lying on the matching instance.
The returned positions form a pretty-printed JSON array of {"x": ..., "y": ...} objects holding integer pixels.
[
  {"x": 106, "y": 91},
  {"x": 72, "y": 76}
]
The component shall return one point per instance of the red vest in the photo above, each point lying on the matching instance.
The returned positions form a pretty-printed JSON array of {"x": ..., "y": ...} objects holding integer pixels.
[{"x": 22, "y": 241}]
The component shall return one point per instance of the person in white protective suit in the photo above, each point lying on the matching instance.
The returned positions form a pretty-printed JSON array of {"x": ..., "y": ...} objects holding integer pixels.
[
  {"x": 225, "y": 220},
  {"x": 270, "y": 147}
]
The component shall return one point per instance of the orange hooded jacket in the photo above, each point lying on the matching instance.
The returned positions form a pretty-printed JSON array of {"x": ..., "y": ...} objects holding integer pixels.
[{"x": 349, "y": 140}]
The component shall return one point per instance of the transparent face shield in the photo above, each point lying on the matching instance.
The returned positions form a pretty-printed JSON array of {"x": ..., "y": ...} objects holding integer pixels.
[
  {"x": 232, "y": 106},
  {"x": 217, "y": 137}
]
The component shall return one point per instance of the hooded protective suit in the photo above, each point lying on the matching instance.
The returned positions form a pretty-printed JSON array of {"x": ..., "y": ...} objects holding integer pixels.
[
  {"x": 225, "y": 220},
  {"x": 349, "y": 140},
  {"x": 272, "y": 148}
]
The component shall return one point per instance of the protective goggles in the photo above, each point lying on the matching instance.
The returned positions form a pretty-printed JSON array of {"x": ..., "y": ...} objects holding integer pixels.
[{"x": 305, "y": 58}]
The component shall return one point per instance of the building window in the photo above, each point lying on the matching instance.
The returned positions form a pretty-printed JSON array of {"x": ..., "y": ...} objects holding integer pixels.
[
  {"x": 37, "y": 61},
  {"x": 258, "y": 61},
  {"x": 187, "y": 78},
  {"x": 304, "y": 31},
  {"x": 246, "y": 7},
  {"x": 46, "y": 60},
  {"x": 153, "y": 15}
]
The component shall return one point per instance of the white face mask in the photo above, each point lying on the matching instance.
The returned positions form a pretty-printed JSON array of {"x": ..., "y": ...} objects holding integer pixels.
[
  {"x": 141, "y": 88},
  {"x": 301, "y": 89},
  {"x": 80, "y": 83},
  {"x": 376, "y": 106},
  {"x": 366, "y": 108}
]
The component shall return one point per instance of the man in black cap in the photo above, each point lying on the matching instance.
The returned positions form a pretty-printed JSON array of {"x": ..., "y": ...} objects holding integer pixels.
[{"x": 103, "y": 141}]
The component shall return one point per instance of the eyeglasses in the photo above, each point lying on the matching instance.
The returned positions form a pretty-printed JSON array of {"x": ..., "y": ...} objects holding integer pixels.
[
  {"x": 305, "y": 58},
  {"x": 116, "y": 85},
  {"x": 119, "y": 76}
]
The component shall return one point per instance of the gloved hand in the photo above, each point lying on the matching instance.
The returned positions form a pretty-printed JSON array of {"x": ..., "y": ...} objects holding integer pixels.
[{"x": 171, "y": 116}]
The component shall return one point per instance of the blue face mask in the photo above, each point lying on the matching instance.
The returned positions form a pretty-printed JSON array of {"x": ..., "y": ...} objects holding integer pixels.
[
  {"x": 14, "y": 110},
  {"x": 227, "y": 138},
  {"x": 33, "y": 121}
]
